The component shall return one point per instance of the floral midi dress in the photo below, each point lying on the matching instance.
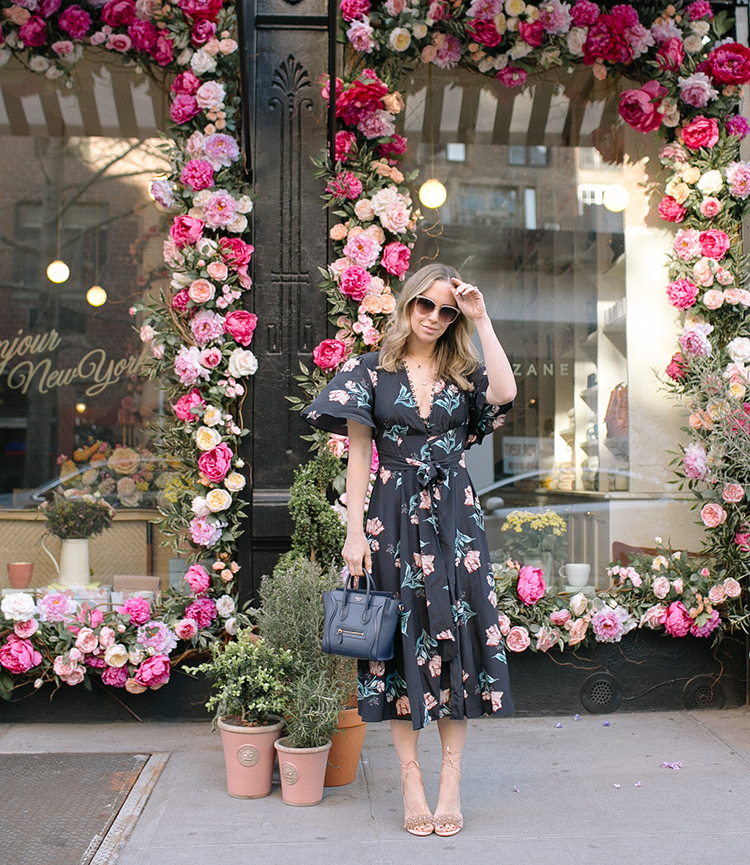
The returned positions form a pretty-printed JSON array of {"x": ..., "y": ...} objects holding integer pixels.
[{"x": 426, "y": 531}]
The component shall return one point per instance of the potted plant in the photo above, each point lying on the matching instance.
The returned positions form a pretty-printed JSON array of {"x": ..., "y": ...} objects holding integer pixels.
[
  {"x": 251, "y": 684},
  {"x": 74, "y": 519},
  {"x": 536, "y": 539},
  {"x": 291, "y": 617}
]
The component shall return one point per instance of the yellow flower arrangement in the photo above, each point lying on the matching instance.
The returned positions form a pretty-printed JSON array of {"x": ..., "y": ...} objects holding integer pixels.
[{"x": 531, "y": 534}]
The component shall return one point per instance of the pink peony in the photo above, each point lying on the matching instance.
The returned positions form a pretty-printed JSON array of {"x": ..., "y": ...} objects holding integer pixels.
[
  {"x": 696, "y": 90},
  {"x": 694, "y": 340},
  {"x": 584, "y": 13},
  {"x": 362, "y": 249},
  {"x": 330, "y": 353},
  {"x": 708, "y": 627},
  {"x": 186, "y": 230},
  {"x": 394, "y": 149},
  {"x": 449, "y": 54},
  {"x": 57, "y": 607},
  {"x": 19, "y": 656},
  {"x": 607, "y": 626},
  {"x": 738, "y": 178},
  {"x": 484, "y": 31},
  {"x": 677, "y": 622},
  {"x": 138, "y": 608},
  {"x": 345, "y": 185},
  {"x": 204, "y": 533},
  {"x": 186, "y": 629},
  {"x": 699, "y": 9},
  {"x": 220, "y": 209},
  {"x": 220, "y": 149},
  {"x": 240, "y": 326},
  {"x": 714, "y": 243},
  {"x": 354, "y": 282},
  {"x": 676, "y": 368},
  {"x": 74, "y": 21},
  {"x": 183, "y": 108},
  {"x": 395, "y": 258},
  {"x": 188, "y": 367},
  {"x": 531, "y": 32},
  {"x": 205, "y": 325},
  {"x": 670, "y": 210},
  {"x": 143, "y": 35},
  {"x": 235, "y": 252},
  {"x": 518, "y": 639},
  {"x": 34, "y": 32},
  {"x": 197, "y": 174},
  {"x": 730, "y": 63},
  {"x": 344, "y": 143},
  {"x": 215, "y": 464},
  {"x": 639, "y": 108},
  {"x": 379, "y": 124},
  {"x": 531, "y": 585},
  {"x": 184, "y": 405},
  {"x": 201, "y": 9},
  {"x": 512, "y": 76},
  {"x": 118, "y": 13},
  {"x": 202, "y": 611},
  {"x": 198, "y": 579},
  {"x": 701, "y": 132},
  {"x": 695, "y": 461},
  {"x": 670, "y": 56},
  {"x": 186, "y": 84},
  {"x": 115, "y": 677},
  {"x": 737, "y": 125},
  {"x": 682, "y": 293},
  {"x": 153, "y": 671}
]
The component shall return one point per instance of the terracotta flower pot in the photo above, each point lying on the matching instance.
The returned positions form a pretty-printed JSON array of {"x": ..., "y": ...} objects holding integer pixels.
[
  {"x": 346, "y": 749},
  {"x": 249, "y": 757},
  {"x": 302, "y": 772},
  {"x": 20, "y": 574}
]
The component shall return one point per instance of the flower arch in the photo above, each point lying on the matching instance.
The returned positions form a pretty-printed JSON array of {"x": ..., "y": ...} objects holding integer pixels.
[
  {"x": 196, "y": 330},
  {"x": 691, "y": 72}
]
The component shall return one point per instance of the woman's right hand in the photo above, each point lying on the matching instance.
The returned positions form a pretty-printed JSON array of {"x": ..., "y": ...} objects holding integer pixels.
[{"x": 356, "y": 552}]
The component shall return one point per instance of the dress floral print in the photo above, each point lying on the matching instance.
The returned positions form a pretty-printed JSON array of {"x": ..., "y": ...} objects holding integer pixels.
[{"x": 426, "y": 531}]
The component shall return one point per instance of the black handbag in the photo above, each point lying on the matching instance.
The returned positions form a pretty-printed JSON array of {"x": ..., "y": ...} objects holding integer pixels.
[{"x": 360, "y": 623}]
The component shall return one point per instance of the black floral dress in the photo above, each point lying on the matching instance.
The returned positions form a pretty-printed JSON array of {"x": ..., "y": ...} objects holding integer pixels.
[{"x": 426, "y": 532}]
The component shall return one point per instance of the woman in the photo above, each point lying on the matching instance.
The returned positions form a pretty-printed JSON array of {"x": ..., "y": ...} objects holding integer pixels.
[{"x": 424, "y": 397}]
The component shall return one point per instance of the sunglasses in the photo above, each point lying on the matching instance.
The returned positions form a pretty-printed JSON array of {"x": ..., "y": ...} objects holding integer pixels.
[{"x": 447, "y": 314}]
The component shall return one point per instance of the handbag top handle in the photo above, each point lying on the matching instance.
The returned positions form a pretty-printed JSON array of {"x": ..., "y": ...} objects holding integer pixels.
[{"x": 350, "y": 587}]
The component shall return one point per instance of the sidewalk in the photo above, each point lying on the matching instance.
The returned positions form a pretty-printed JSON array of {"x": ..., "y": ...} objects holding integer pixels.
[{"x": 576, "y": 799}]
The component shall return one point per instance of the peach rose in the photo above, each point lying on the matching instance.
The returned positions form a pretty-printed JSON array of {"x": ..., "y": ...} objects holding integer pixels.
[
  {"x": 338, "y": 232},
  {"x": 504, "y": 624},
  {"x": 363, "y": 211},
  {"x": 713, "y": 298},
  {"x": 124, "y": 461},
  {"x": 201, "y": 291},
  {"x": 370, "y": 304},
  {"x": 733, "y": 493},
  {"x": 134, "y": 687},
  {"x": 717, "y": 594},
  {"x": 578, "y": 630},
  {"x": 661, "y": 587},
  {"x": 713, "y": 515},
  {"x": 218, "y": 270},
  {"x": 87, "y": 640},
  {"x": 518, "y": 639},
  {"x": 732, "y": 587},
  {"x": 387, "y": 303}
]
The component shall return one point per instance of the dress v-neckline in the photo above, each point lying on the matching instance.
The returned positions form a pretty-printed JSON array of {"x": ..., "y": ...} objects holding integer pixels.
[{"x": 425, "y": 420}]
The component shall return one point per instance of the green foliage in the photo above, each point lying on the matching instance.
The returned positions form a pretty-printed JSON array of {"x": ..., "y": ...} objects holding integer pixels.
[
  {"x": 314, "y": 707},
  {"x": 77, "y": 517},
  {"x": 251, "y": 678}
]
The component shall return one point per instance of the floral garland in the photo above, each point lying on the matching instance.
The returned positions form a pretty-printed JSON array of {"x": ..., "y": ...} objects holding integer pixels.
[
  {"x": 196, "y": 330},
  {"x": 691, "y": 74}
]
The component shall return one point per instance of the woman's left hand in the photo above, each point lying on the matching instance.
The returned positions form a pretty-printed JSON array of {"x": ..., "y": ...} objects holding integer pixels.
[{"x": 469, "y": 299}]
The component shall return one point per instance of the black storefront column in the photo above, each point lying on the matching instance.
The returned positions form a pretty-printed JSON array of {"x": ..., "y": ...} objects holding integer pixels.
[{"x": 285, "y": 51}]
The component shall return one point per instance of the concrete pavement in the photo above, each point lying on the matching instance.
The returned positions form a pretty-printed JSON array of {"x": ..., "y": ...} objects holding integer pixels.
[{"x": 533, "y": 792}]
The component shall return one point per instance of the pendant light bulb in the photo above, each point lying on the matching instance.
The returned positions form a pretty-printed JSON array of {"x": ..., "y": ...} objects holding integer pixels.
[
  {"x": 96, "y": 295},
  {"x": 432, "y": 193},
  {"x": 58, "y": 271},
  {"x": 616, "y": 198}
]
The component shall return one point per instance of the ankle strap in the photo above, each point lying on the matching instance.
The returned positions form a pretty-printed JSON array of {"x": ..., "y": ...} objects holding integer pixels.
[
  {"x": 408, "y": 763},
  {"x": 452, "y": 759}
]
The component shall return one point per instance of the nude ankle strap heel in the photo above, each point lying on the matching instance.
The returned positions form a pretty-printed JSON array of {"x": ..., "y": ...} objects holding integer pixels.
[
  {"x": 421, "y": 824},
  {"x": 449, "y": 824}
]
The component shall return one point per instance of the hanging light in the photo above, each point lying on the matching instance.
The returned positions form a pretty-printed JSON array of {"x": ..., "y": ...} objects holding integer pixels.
[
  {"x": 616, "y": 198},
  {"x": 432, "y": 193},
  {"x": 81, "y": 406},
  {"x": 96, "y": 295},
  {"x": 57, "y": 271}
]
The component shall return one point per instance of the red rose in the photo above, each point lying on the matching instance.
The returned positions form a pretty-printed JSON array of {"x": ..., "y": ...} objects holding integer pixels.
[
  {"x": 700, "y": 132},
  {"x": 531, "y": 33},
  {"x": 202, "y": 31},
  {"x": 240, "y": 326},
  {"x": 330, "y": 353},
  {"x": 671, "y": 54},
  {"x": 484, "y": 31},
  {"x": 714, "y": 243},
  {"x": 670, "y": 210},
  {"x": 639, "y": 108},
  {"x": 143, "y": 34},
  {"x": 215, "y": 464},
  {"x": 359, "y": 99},
  {"x": 34, "y": 32},
  {"x": 730, "y": 63},
  {"x": 207, "y": 9},
  {"x": 235, "y": 252},
  {"x": 75, "y": 21},
  {"x": 118, "y": 13}
]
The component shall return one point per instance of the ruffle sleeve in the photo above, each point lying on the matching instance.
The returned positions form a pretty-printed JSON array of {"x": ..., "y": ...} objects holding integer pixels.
[
  {"x": 484, "y": 418},
  {"x": 347, "y": 396}
]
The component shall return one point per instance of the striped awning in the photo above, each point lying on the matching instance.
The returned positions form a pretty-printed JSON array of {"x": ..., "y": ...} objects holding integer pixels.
[{"x": 105, "y": 100}]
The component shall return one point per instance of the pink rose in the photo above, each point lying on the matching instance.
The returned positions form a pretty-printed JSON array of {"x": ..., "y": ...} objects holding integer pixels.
[
  {"x": 741, "y": 539},
  {"x": 210, "y": 357},
  {"x": 654, "y": 616},
  {"x": 24, "y": 630},
  {"x": 670, "y": 210},
  {"x": 153, "y": 671},
  {"x": 198, "y": 174},
  {"x": 240, "y": 326},
  {"x": 713, "y": 515},
  {"x": 504, "y": 624},
  {"x": 118, "y": 13},
  {"x": 531, "y": 585},
  {"x": 34, "y": 32},
  {"x": 671, "y": 54},
  {"x": 63, "y": 47},
  {"x": 183, "y": 108},
  {"x": 202, "y": 611},
  {"x": 639, "y": 108},
  {"x": 115, "y": 677},
  {"x": 532, "y": 32},
  {"x": 330, "y": 353},
  {"x": 74, "y": 21},
  {"x": 560, "y": 617},
  {"x": 184, "y": 405},
  {"x": 144, "y": 35},
  {"x": 186, "y": 629},
  {"x": 714, "y": 243},
  {"x": 546, "y": 638},
  {"x": 215, "y": 464},
  {"x": 518, "y": 639},
  {"x": 661, "y": 587},
  {"x": 201, "y": 291},
  {"x": 676, "y": 368},
  {"x": 87, "y": 640},
  {"x": 138, "y": 609},
  {"x": 201, "y": 32},
  {"x": 395, "y": 258},
  {"x": 201, "y": 9},
  {"x": 710, "y": 207},
  {"x": 198, "y": 579},
  {"x": 677, "y": 622},
  {"x": 19, "y": 656},
  {"x": 186, "y": 230},
  {"x": 119, "y": 42},
  {"x": 205, "y": 533},
  {"x": 708, "y": 627},
  {"x": 106, "y": 638},
  {"x": 733, "y": 493},
  {"x": 484, "y": 31},
  {"x": 700, "y": 132},
  {"x": 512, "y": 76},
  {"x": 713, "y": 299},
  {"x": 732, "y": 587},
  {"x": 682, "y": 293},
  {"x": 186, "y": 84}
]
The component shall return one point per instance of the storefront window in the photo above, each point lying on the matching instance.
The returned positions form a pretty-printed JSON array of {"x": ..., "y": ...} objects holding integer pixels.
[
  {"x": 74, "y": 414},
  {"x": 547, "y": 211}
]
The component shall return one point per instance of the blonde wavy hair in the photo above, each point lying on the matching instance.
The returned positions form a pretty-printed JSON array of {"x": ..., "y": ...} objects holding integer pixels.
[{"x": 456, "y": 355}]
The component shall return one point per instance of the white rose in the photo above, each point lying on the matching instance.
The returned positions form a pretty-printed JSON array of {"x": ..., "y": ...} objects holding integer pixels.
[
  {"x": 210, "y": 94},
  {"x": 383, "y": 199},
  {"x": 576, "y": 39},
  {"x": 199, "y": 507},
  {"x": 180, "y": 280},
  {"x": 230, "y": 626},
  {"x": 234, "y": 482},
  {"x": 19, "y": 607},
  {"x": 693, "y": 44},
  {"x": 218, "y": 500},
  {"x": 578, "y": 604},
  {"x": 419, "y": 30},
  {"x": 238, "y": 225},
  {"x": 400, "y": 39},
  {"x": 207, "y": 247},
  {"x": 116, "y": 655},
  {"x": 135, "y": 656},
  {"x": 38, "y": 63},
  {"x": 202, "y": 62},
  {"x": 244, "y": 204},
  {"x": 207, "y": 439},
  {"x": 514, "y": 7},
  {"x": 54, "y": 71},
  {"x": 225, "y": 606},
  {"x": 519, "y": 50},
  {"x": 710, "y": 182},
  {"x": 212, "y": 416},
  {"x": 363, "y": 210},
  {"x": 242, "y": 362},
  {"x": 700, "y": 28},
  {"x": 739, "y": 349}
]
